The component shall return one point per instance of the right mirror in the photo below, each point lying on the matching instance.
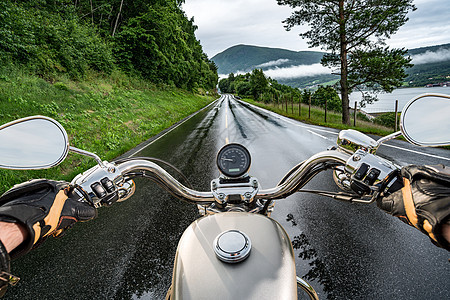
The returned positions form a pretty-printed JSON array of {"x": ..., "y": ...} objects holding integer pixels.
[{"x": 425, "y": 120}]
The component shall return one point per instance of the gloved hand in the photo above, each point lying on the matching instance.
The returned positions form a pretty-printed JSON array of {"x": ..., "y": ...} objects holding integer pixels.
[
  {"x": 43, "y": 208},
  {"x": 423, "y": 202}
]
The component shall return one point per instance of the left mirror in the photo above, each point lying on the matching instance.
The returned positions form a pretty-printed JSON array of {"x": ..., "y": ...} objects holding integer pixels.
[{"x": 32, "y": 143}]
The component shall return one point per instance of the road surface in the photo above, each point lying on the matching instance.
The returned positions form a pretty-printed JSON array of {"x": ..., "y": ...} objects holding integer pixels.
[{"x": 346, "y": 251}]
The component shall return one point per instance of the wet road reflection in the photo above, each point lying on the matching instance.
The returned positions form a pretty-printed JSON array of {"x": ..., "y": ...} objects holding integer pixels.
[{"x": 347, "y": 251}]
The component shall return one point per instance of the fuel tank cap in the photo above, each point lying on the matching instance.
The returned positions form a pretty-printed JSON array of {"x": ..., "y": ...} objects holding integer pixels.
[{"x": 232, "y": 246}]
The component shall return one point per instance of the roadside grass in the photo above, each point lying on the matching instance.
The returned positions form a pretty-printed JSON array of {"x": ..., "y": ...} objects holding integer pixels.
[
  {"x": 334, "y": 119},
  {"x": 105, "y": 115}
]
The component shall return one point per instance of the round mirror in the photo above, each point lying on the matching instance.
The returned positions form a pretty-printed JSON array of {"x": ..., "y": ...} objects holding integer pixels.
[
  {"x": 32, "y": 143},
  {"x": 425, "y": 120}
]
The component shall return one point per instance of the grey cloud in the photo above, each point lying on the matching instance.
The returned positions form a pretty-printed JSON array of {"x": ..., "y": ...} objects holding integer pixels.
[
  {"x": 273, "y": 63},
  {"x": 297, "y": 71},
  {"x": 431, "y": 57}
]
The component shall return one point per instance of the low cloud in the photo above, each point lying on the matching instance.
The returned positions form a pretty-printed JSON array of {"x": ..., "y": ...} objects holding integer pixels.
[
  {"x": 297, "y": 71},
  {"x": 222, "y": 76},
  {"x": 431, "y": 57},
  {"x": 273, "y": 63}
]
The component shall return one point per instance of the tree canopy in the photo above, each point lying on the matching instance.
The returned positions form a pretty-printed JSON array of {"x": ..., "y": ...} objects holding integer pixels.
[
  {"x": 353, "y": 32},
  {"x": 153, "y": 39}
]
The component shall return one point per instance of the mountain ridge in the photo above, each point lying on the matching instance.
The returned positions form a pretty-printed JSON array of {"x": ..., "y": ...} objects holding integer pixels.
[{"x": 256, "y": 55}]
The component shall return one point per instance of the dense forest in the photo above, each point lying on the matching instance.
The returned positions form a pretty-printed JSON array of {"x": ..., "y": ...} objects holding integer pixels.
[{"x": 151, "y": 39}]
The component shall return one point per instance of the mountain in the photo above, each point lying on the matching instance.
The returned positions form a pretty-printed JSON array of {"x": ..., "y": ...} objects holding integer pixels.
[
  {"x": 302, "y": 68},
  {"x": 245, "y": 58},
  {"x": 431, "y": 65}
]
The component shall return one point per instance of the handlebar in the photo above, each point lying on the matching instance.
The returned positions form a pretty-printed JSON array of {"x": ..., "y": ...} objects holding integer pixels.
[
  {"x": 305, "y": 172},
  {"x": 113, "y": 182},
  {"x": 172, "y": 185},
  {"x": 302, "y": 174}
]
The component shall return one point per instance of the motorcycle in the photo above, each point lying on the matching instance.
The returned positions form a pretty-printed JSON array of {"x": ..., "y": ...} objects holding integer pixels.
[{"x": 235, "y": 243}]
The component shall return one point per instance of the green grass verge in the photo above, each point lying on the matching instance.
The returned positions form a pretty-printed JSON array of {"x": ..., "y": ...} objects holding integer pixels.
[
  {"x": 334, "y": 119},
  {"x": 105, "y": 115}
]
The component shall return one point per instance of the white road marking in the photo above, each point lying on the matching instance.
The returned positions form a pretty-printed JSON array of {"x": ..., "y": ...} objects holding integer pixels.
[
  {"x": 417, "y": 152},
  {"x": 315, "y": 133}
]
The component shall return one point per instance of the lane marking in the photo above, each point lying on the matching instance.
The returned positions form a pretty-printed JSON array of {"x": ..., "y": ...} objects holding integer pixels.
[
  {"x": 283, "y": 118},
  {"x": 416, "y": 152},
  {"x": 319, "y": 135},
  {"x": 227, "y": 141}
]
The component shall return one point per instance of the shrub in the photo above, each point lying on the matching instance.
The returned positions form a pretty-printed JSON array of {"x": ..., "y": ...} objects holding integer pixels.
[
  {"x": 387, "y": 119},
  {"x": 51, "y": 43}
]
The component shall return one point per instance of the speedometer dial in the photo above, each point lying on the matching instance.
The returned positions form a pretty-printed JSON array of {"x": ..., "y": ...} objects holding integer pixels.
[{"x": 233, "y": 160}]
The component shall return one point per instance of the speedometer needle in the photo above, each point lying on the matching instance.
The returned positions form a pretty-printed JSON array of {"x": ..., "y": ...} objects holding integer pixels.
[{"x": 227, "y": 159}]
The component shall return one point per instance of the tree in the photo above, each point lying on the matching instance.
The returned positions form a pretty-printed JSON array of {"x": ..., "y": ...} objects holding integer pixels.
[
  {"x": 258, "y": 82},
  {"x": 354, "y": 34},
  {"x": 243, "y": 88},
  {"x": 328, "y": 94},
  {"x": 224, "y": 85},
  {"x": 160, "y": 44}
]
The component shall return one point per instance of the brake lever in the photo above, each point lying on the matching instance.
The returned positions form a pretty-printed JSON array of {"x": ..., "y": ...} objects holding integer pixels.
[{"x": 341, "y": 196}]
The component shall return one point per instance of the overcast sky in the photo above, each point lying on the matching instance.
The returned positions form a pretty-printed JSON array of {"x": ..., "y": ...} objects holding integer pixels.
[{"x": 225, "y": 23}]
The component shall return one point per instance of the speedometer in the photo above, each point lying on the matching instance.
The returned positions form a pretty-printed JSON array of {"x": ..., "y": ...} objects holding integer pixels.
[{"x": 233, "y": 160}]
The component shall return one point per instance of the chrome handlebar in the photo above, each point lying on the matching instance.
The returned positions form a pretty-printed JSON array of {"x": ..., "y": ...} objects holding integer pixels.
[
  {"x": 167, "y": 181},
  {"x": 297, "y": 178},
  {"x": 295, "y": 181}
]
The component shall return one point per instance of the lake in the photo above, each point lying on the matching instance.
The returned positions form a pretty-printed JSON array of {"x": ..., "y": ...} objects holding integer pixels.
[{"x": 386, "y": 102}]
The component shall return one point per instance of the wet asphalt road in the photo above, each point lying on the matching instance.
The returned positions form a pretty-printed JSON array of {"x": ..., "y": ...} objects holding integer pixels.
[{"x": 347, "y": 251}]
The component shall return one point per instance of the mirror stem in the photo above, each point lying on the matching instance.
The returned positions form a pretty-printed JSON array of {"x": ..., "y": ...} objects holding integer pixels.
[
  {"x": 388, "y": 138},
  {"x": 86, "y": 153}
]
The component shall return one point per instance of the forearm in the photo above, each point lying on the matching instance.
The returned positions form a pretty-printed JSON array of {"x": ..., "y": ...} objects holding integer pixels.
[{"x": 12, "y": 235}]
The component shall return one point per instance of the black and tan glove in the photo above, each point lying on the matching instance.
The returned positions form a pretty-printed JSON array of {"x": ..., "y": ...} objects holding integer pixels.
[
  {"x": 423, "y": 202},
  {"x": 43, "y": 208}
]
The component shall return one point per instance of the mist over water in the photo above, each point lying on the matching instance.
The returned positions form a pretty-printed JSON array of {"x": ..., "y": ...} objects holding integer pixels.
[{"x": 386, "y": 102}]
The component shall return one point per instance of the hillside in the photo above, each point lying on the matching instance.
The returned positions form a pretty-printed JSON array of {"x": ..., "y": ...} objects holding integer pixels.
[
  {"x": 302, "y": 68},
  {"x": 431, "y": 65},
  {"x": 107, "y": 116},
  {"x": 151, "y": 40},
  {"x": 113, "y": 79},
  {"x": 245, "y": 58}
]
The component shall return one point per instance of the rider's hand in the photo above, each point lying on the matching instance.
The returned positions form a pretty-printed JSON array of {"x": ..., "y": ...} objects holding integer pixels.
[
  {"x": 423, "y": 202},
  {"x": 44, "y": 208},
  {"x": 35, "y": 210}
]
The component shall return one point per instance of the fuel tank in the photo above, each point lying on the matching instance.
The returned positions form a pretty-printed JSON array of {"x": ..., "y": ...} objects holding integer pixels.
[{"x": 267, "y": 273}]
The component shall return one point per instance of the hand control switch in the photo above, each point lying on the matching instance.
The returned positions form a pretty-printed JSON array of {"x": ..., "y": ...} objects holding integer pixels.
[
  {"x": 98, "y": 189},
  {"x": 359, "y": 187},
  {"x": 362, "y": 171},
  {"x": 108, "y": 185},
  {"x": 372, "y": 176}
]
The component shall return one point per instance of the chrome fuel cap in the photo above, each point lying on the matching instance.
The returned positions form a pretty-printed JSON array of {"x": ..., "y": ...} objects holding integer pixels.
[{"x": 232, "y": 246}]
